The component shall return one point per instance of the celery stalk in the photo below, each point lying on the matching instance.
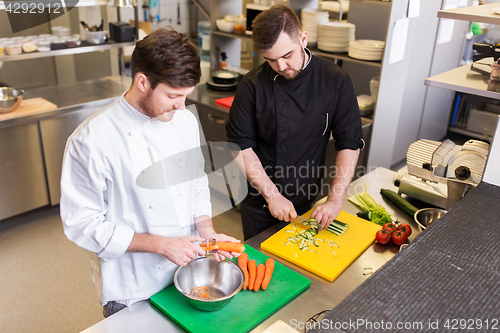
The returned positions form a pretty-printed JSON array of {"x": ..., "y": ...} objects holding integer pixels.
[{"x": 366, "y": 203}]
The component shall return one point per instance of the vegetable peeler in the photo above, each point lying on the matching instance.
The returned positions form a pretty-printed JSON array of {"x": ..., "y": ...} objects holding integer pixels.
[{"x": 210, "y": 245}]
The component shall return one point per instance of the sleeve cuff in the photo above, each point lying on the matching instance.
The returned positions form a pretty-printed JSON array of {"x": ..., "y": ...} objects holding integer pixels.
[
  {"x": 118, "y": 244},
  {"x": 352, "y": 144},
  {"x": 243, "y": 143}
]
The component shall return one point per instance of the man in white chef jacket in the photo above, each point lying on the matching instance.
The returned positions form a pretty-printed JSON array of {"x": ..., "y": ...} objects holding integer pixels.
[{"x": 133, "y": 190}]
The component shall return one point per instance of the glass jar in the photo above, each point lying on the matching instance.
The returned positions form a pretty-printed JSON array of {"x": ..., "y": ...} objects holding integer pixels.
[{"x": 204, "y": 40}]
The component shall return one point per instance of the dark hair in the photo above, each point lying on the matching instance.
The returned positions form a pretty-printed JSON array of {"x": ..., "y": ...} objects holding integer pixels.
[
  {"x": 268, "y": 25},
  {"x": 166, "y": 56}
]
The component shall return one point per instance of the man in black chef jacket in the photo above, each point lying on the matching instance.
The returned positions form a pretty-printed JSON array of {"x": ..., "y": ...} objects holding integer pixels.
[{"x": 282, "y": 117}]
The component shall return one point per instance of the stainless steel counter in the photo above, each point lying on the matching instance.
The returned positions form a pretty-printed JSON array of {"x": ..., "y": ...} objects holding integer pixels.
[
  {"x": 73, "y": 97},
  {"x": 322, "y": 295},
  {"x": 98, "y": 93}
]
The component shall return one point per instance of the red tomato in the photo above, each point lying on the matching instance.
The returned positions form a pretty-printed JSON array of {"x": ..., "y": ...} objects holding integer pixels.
[
  {"x": 389, "y": 226},
  {"x": 383, "y": 236},
  {"x": 406, "y": 228},
  {"x": 398, "y": 237}
]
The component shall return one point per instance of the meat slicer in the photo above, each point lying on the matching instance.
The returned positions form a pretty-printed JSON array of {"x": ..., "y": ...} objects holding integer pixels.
[{"x": 442, "y": 173}]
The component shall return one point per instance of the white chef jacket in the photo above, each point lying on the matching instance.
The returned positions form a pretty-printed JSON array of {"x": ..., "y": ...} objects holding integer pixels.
[{"x": 103, "y": 204}]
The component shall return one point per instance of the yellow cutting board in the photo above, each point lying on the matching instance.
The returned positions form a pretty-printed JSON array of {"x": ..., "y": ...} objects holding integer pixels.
[
  {"x": 29, "y": 107},
  {"x": 325, "y": 263}
]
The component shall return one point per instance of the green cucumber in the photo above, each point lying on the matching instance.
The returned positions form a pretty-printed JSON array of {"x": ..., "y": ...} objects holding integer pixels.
[
  {"x": 365, "y": 215},
  {"x": 401, "y": 202}
]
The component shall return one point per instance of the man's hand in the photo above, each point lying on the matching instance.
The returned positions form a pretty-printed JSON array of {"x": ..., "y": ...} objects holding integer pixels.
[
  {"x": 179, "y": 250},
  {"x": 326, "y": 213},
  {"x": 282, "y": 208}
]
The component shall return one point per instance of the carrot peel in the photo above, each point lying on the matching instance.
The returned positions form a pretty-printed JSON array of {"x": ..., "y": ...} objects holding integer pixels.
[{"x": 201, "y": 292}]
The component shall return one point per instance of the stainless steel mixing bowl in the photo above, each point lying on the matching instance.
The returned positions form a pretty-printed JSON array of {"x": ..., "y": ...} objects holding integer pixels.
[
  {"x": 10, "y": 99},
  {"x": 224, "y": 280},
  {"x": 426, "y": 216}
]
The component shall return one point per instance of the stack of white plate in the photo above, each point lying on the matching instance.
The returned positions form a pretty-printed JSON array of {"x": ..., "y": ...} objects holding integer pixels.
[
  {"x": 335, "y": 36},
  {"x": 366, "y": 49},
  {"x": 310, "y": 19}
]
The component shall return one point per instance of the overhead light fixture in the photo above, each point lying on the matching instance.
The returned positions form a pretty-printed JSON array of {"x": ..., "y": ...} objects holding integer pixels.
[{"x": 123, "y": 3}]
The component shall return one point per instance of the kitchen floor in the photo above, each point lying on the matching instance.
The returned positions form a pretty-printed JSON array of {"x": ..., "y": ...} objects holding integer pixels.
[{"x": 45, "y": 284}]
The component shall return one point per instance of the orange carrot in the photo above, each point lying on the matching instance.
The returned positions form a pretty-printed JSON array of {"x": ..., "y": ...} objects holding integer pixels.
[
  {"x": 231, "y": 247},
  {"x": 225, "y": 246},
  {"x": 260, "y": 276},
  {"x": 243, "y": 263},
  {"x": 252, "y": 272},
  {"x": 268, "y": 274}
]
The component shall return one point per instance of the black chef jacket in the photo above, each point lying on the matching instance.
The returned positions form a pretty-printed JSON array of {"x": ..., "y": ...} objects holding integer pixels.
[{"x": 288, "y": 124}]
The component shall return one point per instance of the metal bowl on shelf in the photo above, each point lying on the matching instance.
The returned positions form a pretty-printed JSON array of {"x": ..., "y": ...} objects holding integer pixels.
[
  {"x": 10, "y": 99},
  {"x": 426, "y": 216},
  {"x": 223, "y": 279}
]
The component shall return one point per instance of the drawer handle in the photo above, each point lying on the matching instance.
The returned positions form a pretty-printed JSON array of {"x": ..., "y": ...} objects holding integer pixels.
[{"x": 216, "y": 119}]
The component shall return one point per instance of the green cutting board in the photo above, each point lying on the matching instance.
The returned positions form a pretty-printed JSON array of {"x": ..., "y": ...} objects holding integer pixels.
[{"x": 244, "y": 312}]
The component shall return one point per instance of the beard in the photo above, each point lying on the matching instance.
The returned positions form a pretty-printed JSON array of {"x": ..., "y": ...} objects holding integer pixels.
[
  {"x": 294, "y": 72},
  {"x": 149, "y": 109}
]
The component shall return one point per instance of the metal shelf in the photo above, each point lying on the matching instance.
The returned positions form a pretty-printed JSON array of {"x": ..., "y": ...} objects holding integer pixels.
[
  {"x": 81, "y": 3},
  {"x": 480, "y": 14},
  {"x": 468, "y": 81},
  {"x": 344, "y": 56},
  {"x": 84, "y": 48},
  {"x": 465, "y": 132},
  {"x": 316, "y": 51}
]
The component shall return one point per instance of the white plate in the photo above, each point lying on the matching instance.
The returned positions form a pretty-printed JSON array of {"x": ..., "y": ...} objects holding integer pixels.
[
  {"x": 368, "y": 53},
  {"x": 354, "y": 54},
  {"x": 313, "y": 11},
  {"x": 365, "y": 51},
  {"x": 337, "y": 32},
  {"x": 326, "y": 44},
  {"x": 368, "y": 44},
  {"x": 349, "y": 37},
  {"x": 337, "y": 25},
  {"x": 327, "y": 48}
]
